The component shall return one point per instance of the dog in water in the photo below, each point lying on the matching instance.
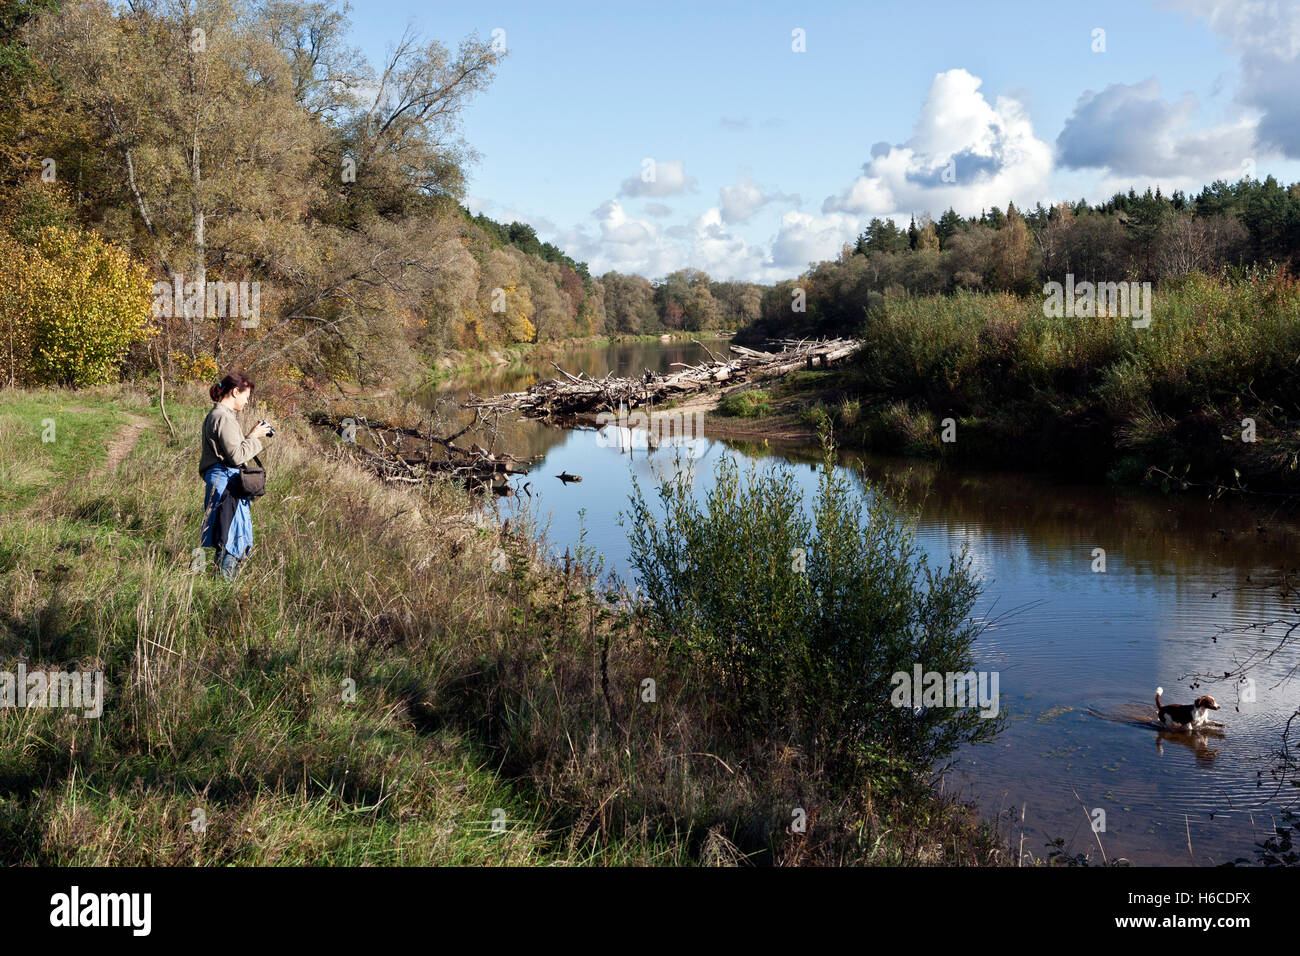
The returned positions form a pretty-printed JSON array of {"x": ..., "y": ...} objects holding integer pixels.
[{"x": 1186, "y": 716}]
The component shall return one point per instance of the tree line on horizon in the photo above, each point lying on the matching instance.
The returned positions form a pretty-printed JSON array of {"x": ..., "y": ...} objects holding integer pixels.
[{"x": 1146, "y": 237}]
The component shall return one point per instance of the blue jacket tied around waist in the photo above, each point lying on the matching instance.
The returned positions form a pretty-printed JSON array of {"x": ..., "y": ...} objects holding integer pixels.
[{"x": 228, "y": 521}]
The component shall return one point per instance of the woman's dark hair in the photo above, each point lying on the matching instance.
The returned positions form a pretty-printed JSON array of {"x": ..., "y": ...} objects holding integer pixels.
[{"x": 232, "y": 381}]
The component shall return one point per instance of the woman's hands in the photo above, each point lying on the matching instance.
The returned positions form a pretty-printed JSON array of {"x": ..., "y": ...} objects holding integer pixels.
[{"x": 261, "y": 430}]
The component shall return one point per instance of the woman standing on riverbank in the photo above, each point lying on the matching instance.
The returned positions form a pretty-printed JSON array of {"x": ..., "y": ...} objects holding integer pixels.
[{"x": 223, "y": 448}]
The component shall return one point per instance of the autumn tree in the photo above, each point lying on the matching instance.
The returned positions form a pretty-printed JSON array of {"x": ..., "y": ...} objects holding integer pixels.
[
  {"x": 1014, "y": 256},
  {"x": 71, "y": 305},
  {"x": 927, "y": 235},
  {"x": 195, "y": 109},
  {"x": 629, "y": 303}
]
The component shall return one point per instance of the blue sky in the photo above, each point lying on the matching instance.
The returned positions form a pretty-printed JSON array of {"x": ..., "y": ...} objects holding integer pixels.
[{"x": 766, "y": 159}]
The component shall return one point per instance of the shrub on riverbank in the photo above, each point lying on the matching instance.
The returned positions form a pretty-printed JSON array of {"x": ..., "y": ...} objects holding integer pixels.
[
  {"x": 1093, "y": 394},
  {"x": 71, "y": 305},
  {"x": 801, "y": 630}
]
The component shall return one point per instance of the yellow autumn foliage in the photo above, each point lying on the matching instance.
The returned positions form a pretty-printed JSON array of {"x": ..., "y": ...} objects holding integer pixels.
[
  {"x": 71, "y": 305},
  {"x": 517, "y": 319}
]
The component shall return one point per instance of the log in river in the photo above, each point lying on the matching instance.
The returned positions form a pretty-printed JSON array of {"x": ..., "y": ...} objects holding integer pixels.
[{"x": 580, "y": 394}]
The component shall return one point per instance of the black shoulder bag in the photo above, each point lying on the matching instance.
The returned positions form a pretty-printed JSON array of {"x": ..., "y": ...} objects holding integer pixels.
[{"x": 250, "y": 482}]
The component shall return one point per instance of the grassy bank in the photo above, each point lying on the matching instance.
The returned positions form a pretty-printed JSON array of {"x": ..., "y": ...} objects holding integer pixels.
[
  {"x": 388, "y": 682},
  {"x": 1091, "y": 397}
]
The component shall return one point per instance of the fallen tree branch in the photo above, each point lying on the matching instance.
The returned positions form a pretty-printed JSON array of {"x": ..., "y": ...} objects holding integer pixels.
[{"x": 392, "y": 459}]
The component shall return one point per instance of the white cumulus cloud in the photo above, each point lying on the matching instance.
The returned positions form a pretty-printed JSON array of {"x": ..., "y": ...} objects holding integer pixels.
[
  {"x": 1265, "y": 36},
  {"x": 622, "y": 243},
  {"x": 804, "y": 239},
  {"x": 964, "y": 152},
  {"x": 1130, "y": 129},
  {"x": 724, "y": 255}
]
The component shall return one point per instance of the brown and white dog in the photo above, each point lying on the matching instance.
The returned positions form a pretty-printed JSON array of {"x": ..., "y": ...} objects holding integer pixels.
[{"x": 1185, "y": 716}]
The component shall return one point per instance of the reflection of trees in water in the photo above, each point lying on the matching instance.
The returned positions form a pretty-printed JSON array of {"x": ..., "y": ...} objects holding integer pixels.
[
  {"x": 1184, "y": 538},
  {"x": 498, "y": 433},
  {"x": 1193, "y": 546},
  {"x": 629, "y": 360}
]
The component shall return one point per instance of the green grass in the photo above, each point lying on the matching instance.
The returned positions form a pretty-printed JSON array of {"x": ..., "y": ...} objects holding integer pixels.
[
  {"x": 223, "y": 698},
  {"x": 752, "y": 403},
  {"x": 45, "y": 439}
]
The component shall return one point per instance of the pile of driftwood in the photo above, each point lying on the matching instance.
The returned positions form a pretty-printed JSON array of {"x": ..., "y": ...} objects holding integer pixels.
[
  {"x": 400, "y": 453},
  {"x": 579, "y": 394}
]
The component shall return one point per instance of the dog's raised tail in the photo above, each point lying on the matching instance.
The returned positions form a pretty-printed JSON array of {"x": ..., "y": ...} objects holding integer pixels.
[{"x": 1159, "y": 691}]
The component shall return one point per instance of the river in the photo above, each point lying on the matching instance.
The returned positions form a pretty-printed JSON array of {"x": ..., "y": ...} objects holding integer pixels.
[{"x": 1079, "y": 652}]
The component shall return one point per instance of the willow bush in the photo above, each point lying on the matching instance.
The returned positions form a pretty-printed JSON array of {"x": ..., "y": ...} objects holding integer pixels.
[{"x": 799, "y": 619}]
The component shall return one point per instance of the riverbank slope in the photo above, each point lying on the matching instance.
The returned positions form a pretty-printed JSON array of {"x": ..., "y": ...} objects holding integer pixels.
[{"x": 389, "y": 681}]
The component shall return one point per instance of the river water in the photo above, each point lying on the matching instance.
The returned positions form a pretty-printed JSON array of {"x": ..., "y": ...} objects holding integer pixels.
[{"x": 1078, "y": 653}]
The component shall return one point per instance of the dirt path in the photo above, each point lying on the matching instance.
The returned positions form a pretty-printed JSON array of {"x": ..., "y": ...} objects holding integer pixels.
[{"x": 122, "y": 442}]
